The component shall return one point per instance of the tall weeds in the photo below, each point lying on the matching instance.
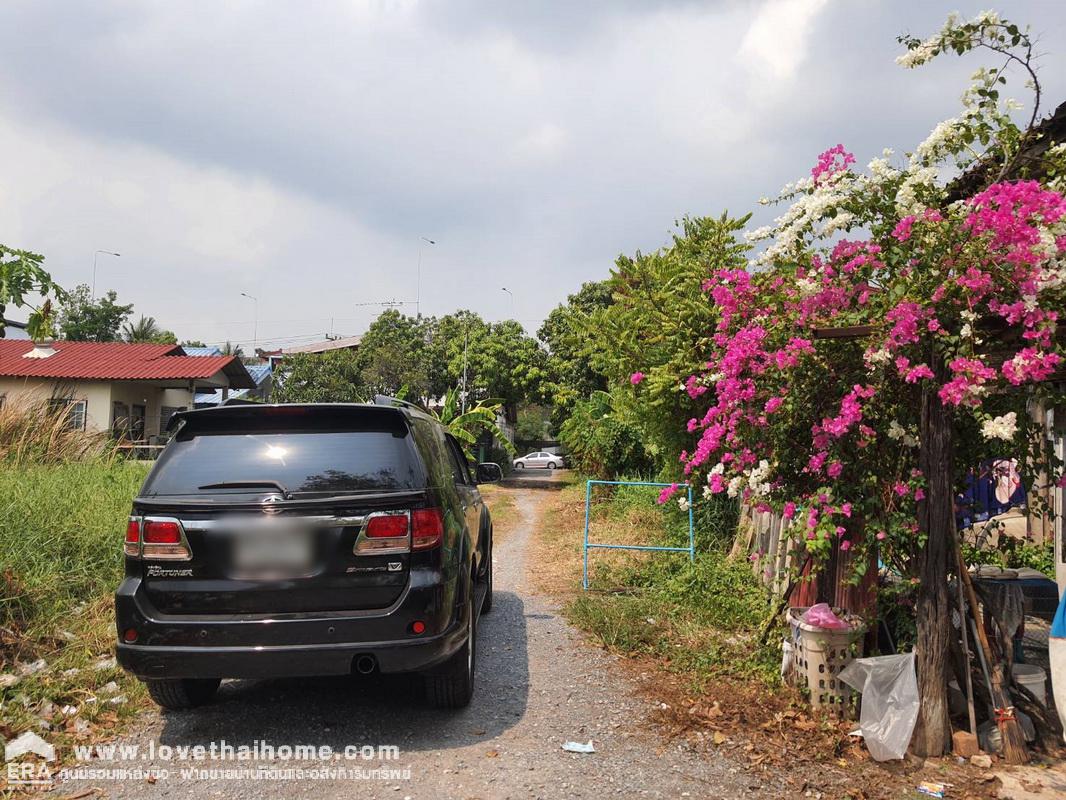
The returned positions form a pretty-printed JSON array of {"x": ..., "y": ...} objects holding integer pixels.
[{"x": 33, "y": 432}]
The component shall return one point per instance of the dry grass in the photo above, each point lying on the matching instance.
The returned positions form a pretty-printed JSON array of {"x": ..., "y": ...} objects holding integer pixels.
[
  {"x": 500, "y": 501},
  {"x": 32, "y": 432}
]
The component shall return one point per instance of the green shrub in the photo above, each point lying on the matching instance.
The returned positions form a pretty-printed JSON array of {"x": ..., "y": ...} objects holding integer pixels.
[{"x": 602, "y": 443}]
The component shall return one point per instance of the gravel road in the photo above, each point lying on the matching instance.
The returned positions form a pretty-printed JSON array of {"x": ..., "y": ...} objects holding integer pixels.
[{"x": 539, "y": 685}]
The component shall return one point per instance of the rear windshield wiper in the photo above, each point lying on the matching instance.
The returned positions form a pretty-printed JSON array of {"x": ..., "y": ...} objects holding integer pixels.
[{"x": 248, "y": 485}]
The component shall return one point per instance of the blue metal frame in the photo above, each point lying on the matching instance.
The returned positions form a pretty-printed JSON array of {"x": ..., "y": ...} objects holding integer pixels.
[{"x": 691, "y": 549}]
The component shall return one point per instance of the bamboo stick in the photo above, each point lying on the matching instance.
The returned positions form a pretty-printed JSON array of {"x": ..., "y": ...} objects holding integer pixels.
[{"x": 1014, "y": 749}]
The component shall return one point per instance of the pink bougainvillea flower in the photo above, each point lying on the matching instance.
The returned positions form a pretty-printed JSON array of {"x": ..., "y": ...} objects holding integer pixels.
[
  {"x": 789, "y": 511},
  {"x": 901, "y": 489},
  {"x": 832, "y": 162},
  {"x": 881, "y": 536},
  {"x": 668, "y": 492},
  {"x": 636, "y": 378},
  {"x": 845, "y": 509},
  {"x": 919, "y": 494},
  {"x": 834, "y": 469},
  {"x": 845, "y": 545}
]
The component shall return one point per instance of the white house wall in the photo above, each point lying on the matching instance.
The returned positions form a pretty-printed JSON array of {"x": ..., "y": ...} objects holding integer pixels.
[{"x": 96, "y": 394}]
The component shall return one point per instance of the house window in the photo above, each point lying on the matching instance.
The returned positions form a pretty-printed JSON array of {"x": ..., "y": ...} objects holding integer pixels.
[{"x": 74, "y": 410}]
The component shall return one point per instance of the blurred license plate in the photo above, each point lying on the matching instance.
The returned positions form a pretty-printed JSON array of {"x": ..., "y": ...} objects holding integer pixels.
[{"x": 283, "y": 551}]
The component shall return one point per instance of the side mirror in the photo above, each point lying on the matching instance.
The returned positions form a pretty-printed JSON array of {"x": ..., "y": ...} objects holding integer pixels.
[{"x": 489, "y": 472}]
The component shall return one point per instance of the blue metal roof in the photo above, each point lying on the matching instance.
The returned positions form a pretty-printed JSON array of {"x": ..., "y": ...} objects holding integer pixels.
[
  {"x": 259, "y": 373},
  {"x": 201, "y": 351}
]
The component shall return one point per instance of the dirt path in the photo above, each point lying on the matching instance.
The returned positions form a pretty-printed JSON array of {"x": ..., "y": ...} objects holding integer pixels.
[{"x": 539, "y": 685}]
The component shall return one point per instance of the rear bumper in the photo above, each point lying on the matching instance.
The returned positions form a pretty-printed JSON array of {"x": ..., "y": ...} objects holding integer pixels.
[
  {"x": 229, "y": 646},
  {"x": 147, "y": 661}
]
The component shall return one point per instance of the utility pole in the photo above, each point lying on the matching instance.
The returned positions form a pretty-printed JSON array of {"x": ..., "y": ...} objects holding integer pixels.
[{"x": 466, "y": 347}]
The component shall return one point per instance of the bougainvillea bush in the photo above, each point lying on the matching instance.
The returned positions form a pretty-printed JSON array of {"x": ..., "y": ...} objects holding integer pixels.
[{"x": 879, "y": 290}]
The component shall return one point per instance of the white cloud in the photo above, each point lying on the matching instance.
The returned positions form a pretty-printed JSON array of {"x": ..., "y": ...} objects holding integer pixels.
[{"x": 778, "y": 36}]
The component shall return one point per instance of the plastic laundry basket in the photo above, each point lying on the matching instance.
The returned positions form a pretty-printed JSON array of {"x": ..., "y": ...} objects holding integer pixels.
[{"x": 818, "y": 656}]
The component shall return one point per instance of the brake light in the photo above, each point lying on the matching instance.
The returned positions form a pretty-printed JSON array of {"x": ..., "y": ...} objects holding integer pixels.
[
  {"x": 163, "y": 540},
  {"x": 161, "y": 532},
  {"x": 132, "y": 547},
  {"x": 385, "y": 532},
  {"x": 427, "y": 528},
  {"x": 387, "y": 526}
]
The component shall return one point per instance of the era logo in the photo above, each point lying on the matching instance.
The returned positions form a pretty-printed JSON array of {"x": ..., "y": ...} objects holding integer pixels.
[{"x": 25, "y": 773}]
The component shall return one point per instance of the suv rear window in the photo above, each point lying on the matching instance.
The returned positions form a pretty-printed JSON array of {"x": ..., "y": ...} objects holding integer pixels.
[{"x": 306, "y": 460}]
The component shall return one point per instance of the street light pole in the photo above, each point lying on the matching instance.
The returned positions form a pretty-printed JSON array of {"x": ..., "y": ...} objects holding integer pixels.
[
  {"x": 505, "y": 289},
  {"x": 418, "y": 281},
  {"x": 255, "y": 324},
  {"x": 466, "y": 348},
  {"x": 92, "y": 294}
]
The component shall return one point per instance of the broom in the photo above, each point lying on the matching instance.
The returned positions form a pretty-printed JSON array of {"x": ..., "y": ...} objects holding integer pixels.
[{"x": 1014, "y": 749}]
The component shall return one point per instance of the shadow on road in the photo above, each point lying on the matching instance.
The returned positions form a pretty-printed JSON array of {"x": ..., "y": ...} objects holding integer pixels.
[
  {"x": 373, "y": 710},
  {"x": 534, "y": 479}
]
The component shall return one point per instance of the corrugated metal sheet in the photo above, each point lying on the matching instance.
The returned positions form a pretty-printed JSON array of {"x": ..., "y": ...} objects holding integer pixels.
[
  {"x": 201, "y": 351},
  {"x": 112, "y": 361}
]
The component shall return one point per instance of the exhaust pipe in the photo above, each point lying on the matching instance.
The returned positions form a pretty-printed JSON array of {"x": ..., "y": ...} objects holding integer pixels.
[{"x": 364, "y": 665}]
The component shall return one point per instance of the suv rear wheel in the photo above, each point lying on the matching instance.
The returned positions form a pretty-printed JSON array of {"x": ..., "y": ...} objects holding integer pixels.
[
  {"x": 486, "y": 604},
  {"x": 451, "y": 685},
  {"x": 178, "y": 694}
]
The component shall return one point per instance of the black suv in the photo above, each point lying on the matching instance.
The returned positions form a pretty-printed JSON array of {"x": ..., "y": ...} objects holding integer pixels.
[{"x": 299, "y": 540}]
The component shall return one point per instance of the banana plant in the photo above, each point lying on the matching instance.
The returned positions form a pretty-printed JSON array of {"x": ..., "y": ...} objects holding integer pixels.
[{"x": 467, "y": 426}]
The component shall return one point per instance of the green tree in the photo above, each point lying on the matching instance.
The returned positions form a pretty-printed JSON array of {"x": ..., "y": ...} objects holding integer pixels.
[
  {"x": 193, "y": 343},
  {"x": 393, "y": 355},
  {"x": 498, "y": 360},
  {"x": 332, "y": 377},
  {"x": 566, "y": 334},
  {"x": 21, "y": 274},
  {"x": 83, "y": 318},
  {"x": 147, "y": 330}
]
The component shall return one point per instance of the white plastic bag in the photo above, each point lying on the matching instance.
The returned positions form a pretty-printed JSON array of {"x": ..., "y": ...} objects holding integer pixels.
[{"x": 889, "y": 689}]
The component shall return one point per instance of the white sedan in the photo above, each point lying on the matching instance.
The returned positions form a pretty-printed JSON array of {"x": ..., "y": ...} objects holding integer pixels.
[{"x": 539, "y": 461}]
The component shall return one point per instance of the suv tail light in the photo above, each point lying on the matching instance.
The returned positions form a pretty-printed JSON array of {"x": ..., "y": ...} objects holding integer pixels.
[
  {"x": 132, "y": 546},
  {"x": 384, "y": 532},
  {"x": 156, "y": 539},
  {"x": 387, "y": 526},
  {"x": 427, "y": 528}
]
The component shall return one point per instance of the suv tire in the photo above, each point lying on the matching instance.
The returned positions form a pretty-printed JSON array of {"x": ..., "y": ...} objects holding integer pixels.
[
  {"x": 486, "y": 604},
  {"x": 451, "y": 685},
  {"x": 178, "y": 694}
]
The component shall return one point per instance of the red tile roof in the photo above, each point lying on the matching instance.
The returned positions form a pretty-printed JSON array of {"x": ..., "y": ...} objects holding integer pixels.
[{"x": 118, "y": 361}]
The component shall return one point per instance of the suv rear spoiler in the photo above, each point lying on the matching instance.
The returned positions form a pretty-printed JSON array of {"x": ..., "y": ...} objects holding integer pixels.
[{"x": 235, "y": 415}]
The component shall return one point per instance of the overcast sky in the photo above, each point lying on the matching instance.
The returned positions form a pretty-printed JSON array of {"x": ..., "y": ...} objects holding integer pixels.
[{"x": 298, "y": 151}]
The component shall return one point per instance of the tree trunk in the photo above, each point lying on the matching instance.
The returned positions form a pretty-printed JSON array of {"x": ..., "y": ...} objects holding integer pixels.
[{"x": 936, "y": 518}]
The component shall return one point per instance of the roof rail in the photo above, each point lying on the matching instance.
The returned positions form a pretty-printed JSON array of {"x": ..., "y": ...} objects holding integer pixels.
[{"x": 385, "y": 400}]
